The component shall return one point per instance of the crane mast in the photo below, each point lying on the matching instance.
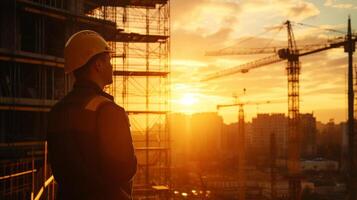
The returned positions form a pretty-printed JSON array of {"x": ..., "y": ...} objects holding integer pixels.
[
  {"x": 241, "y": 153},
  {"x": 352, "y": 185},
  {"x": 240, "y": 162},
  {"x": 293, "y": 72},
  {"x": 241, "y": 143}
]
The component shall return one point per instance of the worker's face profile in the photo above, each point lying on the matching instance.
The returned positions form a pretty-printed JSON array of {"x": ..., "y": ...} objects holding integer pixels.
[{"x": 107, "y": 68}]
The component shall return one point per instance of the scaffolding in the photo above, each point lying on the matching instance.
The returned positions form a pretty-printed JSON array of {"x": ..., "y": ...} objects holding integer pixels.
[
  {"x": 141, "y": 85},
  {"x": 33, "y": 80}
]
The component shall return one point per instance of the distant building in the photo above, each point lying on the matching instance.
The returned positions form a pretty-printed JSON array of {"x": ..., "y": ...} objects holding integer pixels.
[
  {"x": 344, "y": 148},
  {"x": 229, "y": 137},
  {"x": 308, "y": 135},
  {"x": 265, "y": 124},
  {"x": 229, "y": 140},
  {"x": 262, "y": 127},
  {"x": 180, "y": 126},
  {"x": 206, "y": 137},
  {"x": 329, "y": 140},
  {"x": 195, "y": 137}
]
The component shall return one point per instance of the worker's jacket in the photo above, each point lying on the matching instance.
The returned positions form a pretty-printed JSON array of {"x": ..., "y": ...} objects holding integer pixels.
[{"x": 90, "y": 146}]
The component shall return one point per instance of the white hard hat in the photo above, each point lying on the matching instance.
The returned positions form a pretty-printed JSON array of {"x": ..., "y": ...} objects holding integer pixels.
[{"x": 82, "y": 46}]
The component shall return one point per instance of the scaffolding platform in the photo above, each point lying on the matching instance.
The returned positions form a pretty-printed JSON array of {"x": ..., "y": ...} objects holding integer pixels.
[
  {"x": 26, "y": 104},
  {"x": 151, "y": 148},
  {"x": 30, "y": 58},
  {"x": 137, "y": 112},
  {"x": 128, "y": 3},
  {"x": 140, "y": 38},
  {"x": 140, "y": 73},
  {"x": 105, "y": 27}
]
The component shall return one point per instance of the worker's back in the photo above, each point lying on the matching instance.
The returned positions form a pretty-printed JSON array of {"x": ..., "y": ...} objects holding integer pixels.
[{"x": 78, "y": 160}]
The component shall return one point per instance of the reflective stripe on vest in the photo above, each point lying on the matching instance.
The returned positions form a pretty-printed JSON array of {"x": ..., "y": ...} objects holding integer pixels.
[{"x": 94, "y": 103}]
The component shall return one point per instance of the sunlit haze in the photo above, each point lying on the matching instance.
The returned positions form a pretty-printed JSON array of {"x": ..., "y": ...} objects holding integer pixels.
[{"x": 206, "y": 25}]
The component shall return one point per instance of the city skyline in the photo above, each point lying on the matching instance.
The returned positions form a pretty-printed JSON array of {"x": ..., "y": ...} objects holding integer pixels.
[
  {"x": 211, "y": 25},
  {"x": 250, "y": 120}
]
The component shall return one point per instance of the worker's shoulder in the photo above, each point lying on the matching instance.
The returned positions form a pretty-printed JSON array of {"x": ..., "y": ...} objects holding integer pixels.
[
  {"x": 102, "y": 103},
  {"x": 110, "y": 107},
  {"x": 109, "y": 111},
  {"x": 99, "y": 102}
]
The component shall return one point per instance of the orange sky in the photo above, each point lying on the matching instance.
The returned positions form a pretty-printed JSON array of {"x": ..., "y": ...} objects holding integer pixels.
[{"x": 202, "y": 25}]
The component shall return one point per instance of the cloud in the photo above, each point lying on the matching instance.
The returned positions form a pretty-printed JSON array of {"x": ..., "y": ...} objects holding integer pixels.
[
  {"x": 188, "y": 45},
  {"x": 301, "y": 11},
  {"x": 334, "y": 4},
  {"x": 204, "y": 16},
  {"x": 296, "y": 10},
  {"x": 202, "y": 25},
  {"x": 208, "y": 16}
]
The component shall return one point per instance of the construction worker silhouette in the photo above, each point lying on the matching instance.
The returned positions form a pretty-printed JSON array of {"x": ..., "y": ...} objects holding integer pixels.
[{"x": 89, "y": 142}]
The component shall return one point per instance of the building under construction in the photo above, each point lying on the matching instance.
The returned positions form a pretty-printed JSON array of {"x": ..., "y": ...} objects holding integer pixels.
[{"x": 32, "y": 80}]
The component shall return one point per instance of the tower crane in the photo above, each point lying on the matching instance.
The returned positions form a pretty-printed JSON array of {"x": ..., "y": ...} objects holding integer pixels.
[
  {"x": 292, "y": 54},
  {"x": 241, "y": 141}
]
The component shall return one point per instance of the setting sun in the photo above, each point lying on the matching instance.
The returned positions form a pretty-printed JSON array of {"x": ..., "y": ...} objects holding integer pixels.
[{"x": 188, "y": 99}]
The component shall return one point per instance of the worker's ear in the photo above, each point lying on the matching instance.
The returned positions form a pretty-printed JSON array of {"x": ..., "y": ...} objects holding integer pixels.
[{"x": 98, "y": 64}]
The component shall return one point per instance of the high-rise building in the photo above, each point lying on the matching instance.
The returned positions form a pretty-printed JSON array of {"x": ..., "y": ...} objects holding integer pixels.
[
  {"x": 308, "y": 135},
  {"x": 206, "y": 136},
  {"x": 229, "y": 140},
  {"x": 262, "y": 127},
  {"x": 180, "y": 129}
]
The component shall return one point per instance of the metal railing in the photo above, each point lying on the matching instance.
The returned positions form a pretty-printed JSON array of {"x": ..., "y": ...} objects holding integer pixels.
[
  {"x": 49, "y": 182},
  {"x": 24, "y": 173}
]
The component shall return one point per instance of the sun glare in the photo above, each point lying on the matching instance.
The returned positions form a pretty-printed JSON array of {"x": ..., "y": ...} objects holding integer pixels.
[{"x": 188, "y": 99}]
